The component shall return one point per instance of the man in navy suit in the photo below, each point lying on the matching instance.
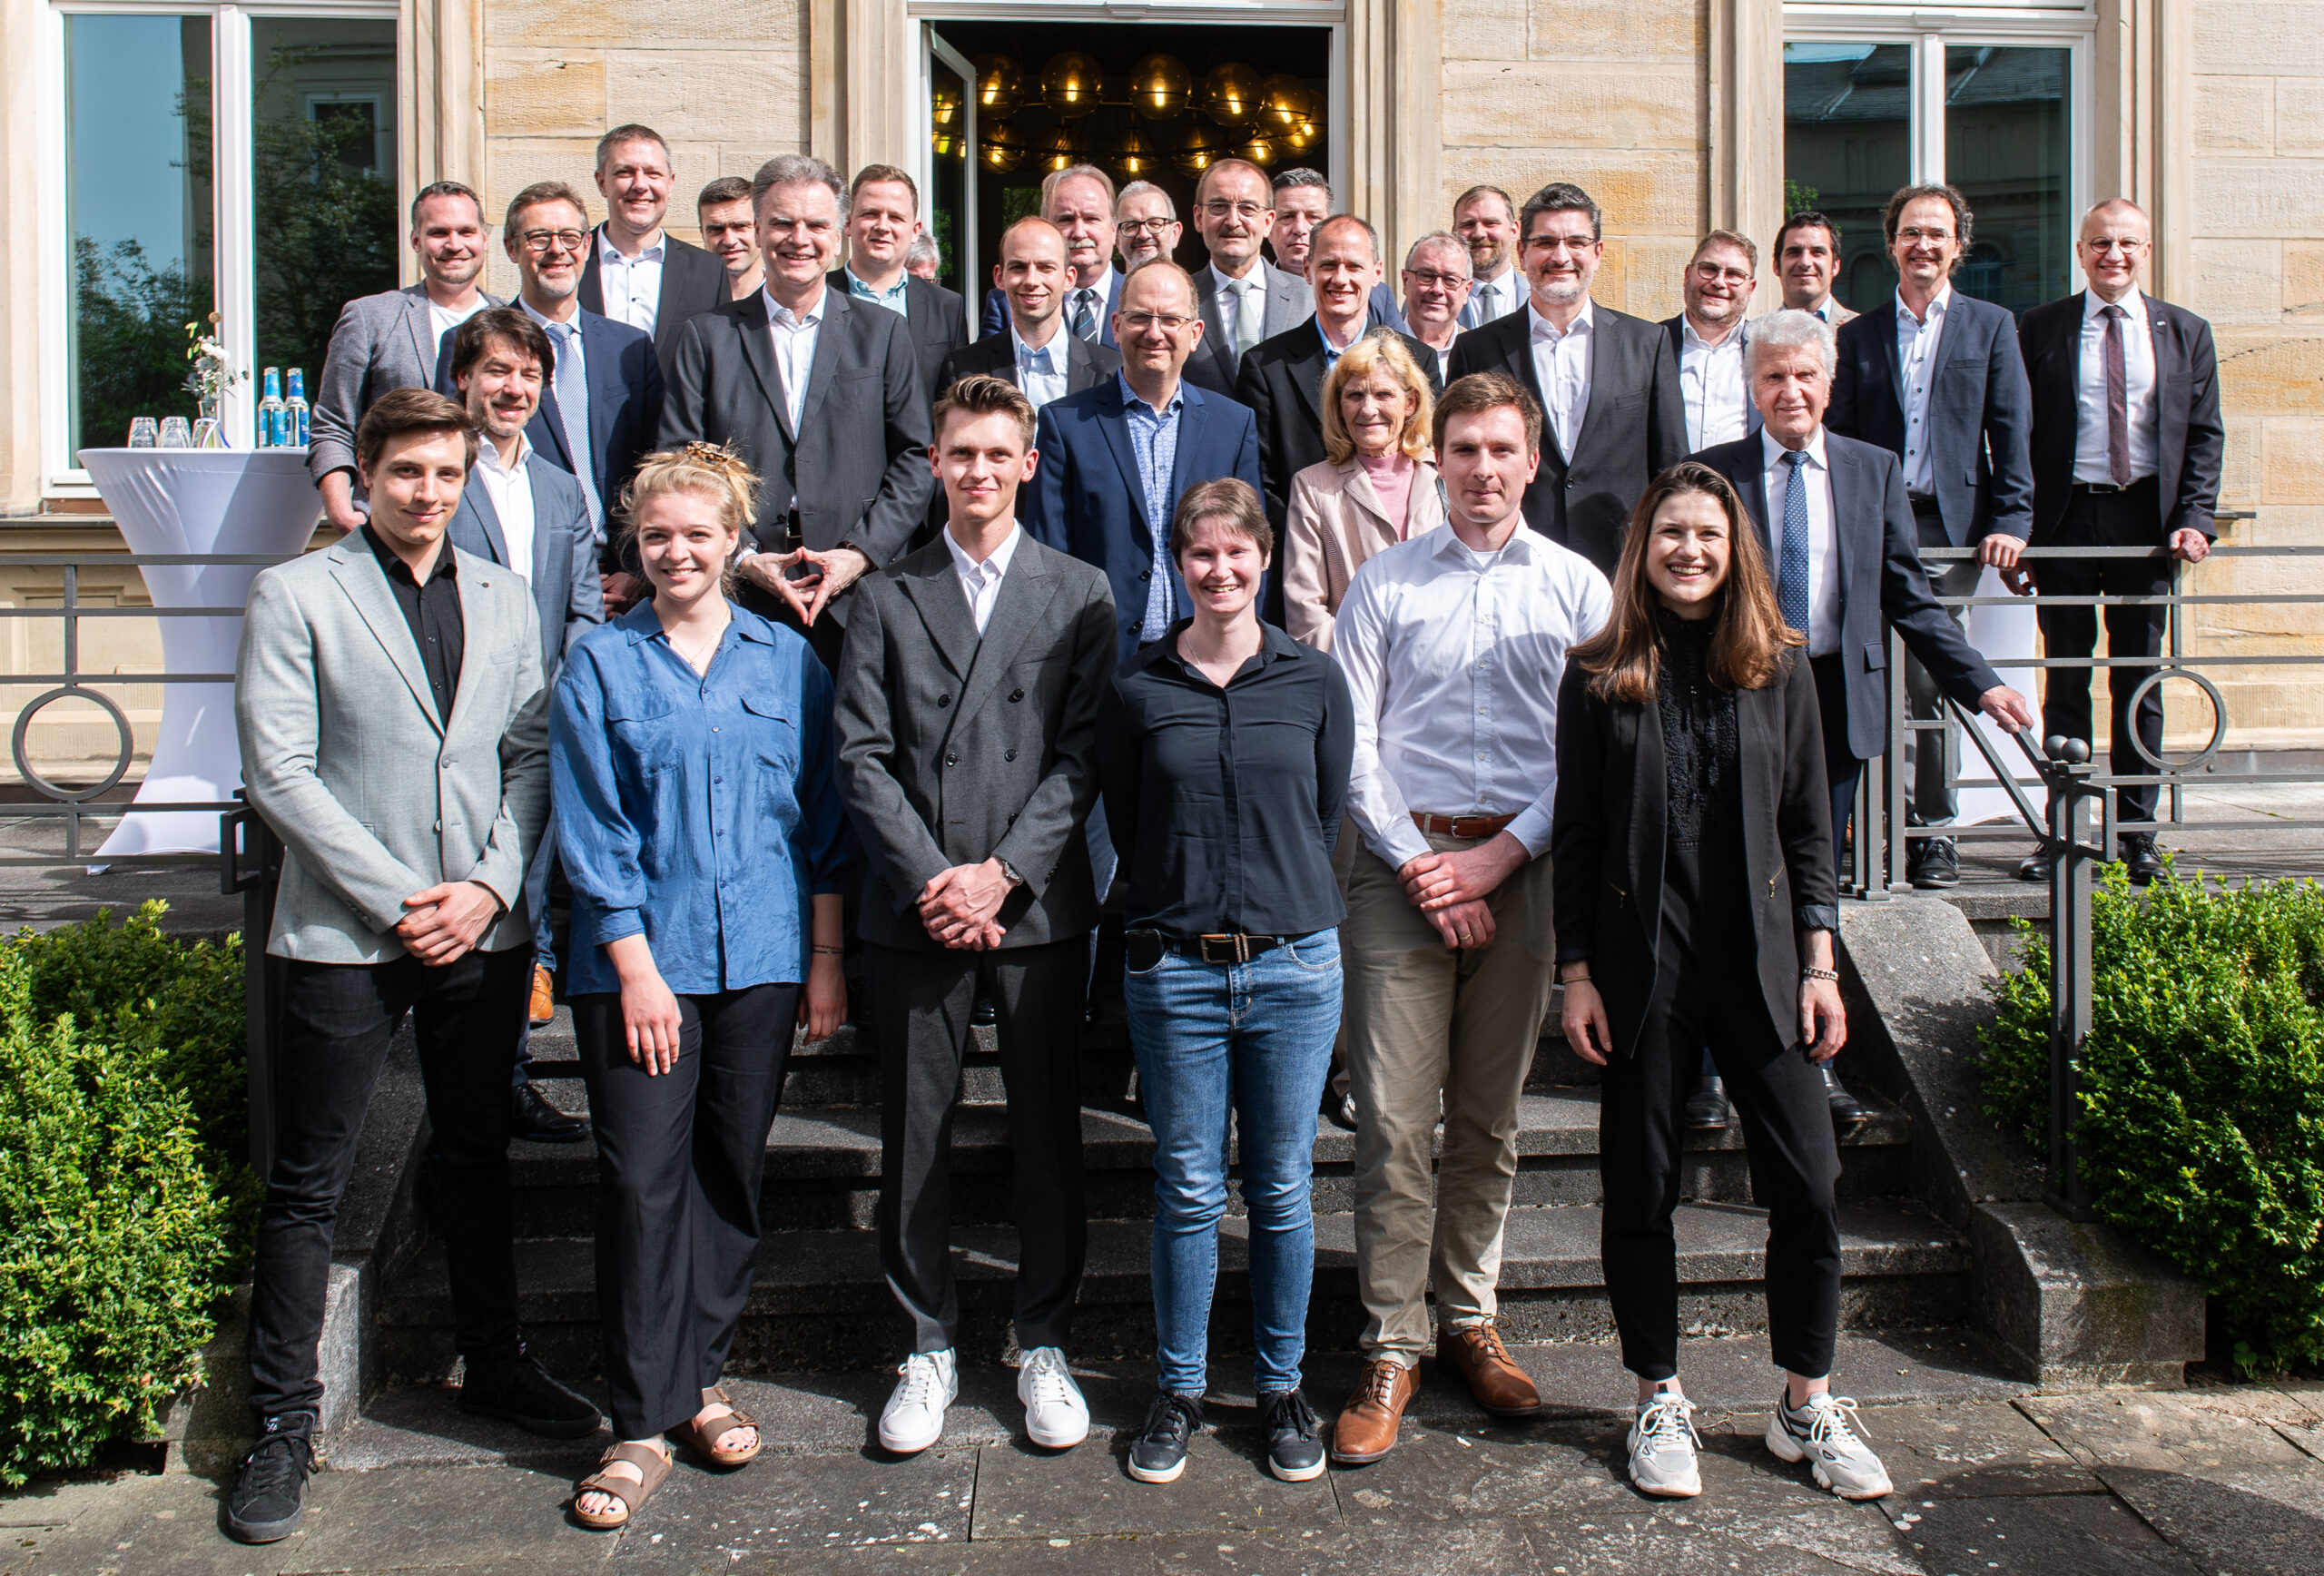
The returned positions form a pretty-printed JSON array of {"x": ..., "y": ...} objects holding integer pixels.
[
  {"x": 1935, "y": 377},
  {"x": 523, "y": 513},
  {"x": 1080, "y": 201}
]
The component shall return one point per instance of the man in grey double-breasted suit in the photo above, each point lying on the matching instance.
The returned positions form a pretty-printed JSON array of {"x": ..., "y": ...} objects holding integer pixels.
[{"x": 967, "y": 713}]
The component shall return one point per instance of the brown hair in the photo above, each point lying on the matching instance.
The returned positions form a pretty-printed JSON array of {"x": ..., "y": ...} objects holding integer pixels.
[
  {"x": 1734, "y": 238},
  {"x": 402, "y": 412},
  {"x": 436, "y": 189},
  {"x": 1964, "y": 222},
  {"x": 726, "y": 189},
  {"x": 704, "y": 470},
  {"x": 508, "y": 325},
  {"x": 978, "y": 395},
  {"x": 1808, "y": 219},
  {"x": 1227, "y": 500},
  {"x": 1481, "y": 391},
  {"x": 1750, "y": 646},
  {"x": 1473, "y": 192},
  {"x": 540, "y": 191},
  {"x": 887, "y": 174},
  {"x": 1378, "y": 351},
  {"x": 631, "y": 132}
]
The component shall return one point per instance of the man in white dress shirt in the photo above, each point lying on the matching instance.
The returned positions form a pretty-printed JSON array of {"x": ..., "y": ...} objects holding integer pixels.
[
  {"x": 1485, "y": 219},
  {"x": 1808, "y": 263},
  {"x": 1709, "y": 337},
  {"x": 636, "y": 272},
  {"x": 1037, "y": 353},
  {"x": 1454, "y": 644}
]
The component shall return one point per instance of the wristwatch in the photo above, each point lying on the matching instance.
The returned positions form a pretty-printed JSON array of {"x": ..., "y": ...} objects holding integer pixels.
[{"x": 1009, "y": 871}]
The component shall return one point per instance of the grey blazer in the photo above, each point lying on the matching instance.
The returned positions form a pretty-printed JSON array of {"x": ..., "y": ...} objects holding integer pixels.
[
  {"x": 564, "y": 571},
  {"x": 345, "y": 757},
  {"x": 1215, "y": 363},
  {"x": 953, "y": 750},
  {"x": 382, "y": 343}
]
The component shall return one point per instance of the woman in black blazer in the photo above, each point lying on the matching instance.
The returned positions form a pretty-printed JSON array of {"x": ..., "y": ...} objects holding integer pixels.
[{"x": 1697, "y": 894}]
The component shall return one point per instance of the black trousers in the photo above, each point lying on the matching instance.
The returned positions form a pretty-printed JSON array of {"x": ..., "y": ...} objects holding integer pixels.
[
  {"x": 920, "y": 1003},
  {"x": 1779, "y": 1096},
  {"x": 680, "y": 1156},
  {"x": 2124, "y": 519},
  {"x": 338, "y": 1020}
]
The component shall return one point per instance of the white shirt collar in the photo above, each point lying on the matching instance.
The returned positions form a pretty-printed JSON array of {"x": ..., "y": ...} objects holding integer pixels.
[
  {"x": 2133, "y": 304},
  {"x": 999, "y": 559},
  {"x": 1937, "y": 303},
  {"x": 1773, "y": 452},
  {"x": 1447, "y": 542},
  {"x": 1545, "y": 329},
  {"x": 571, "y": 325},
  {"x": 1734, "y": 340},
  {"x": 1054, "y": 349},
  {"x": 488, "y": 453},
  {"x": 777, "y": 312},
  {"x": 650, "y": 252}
]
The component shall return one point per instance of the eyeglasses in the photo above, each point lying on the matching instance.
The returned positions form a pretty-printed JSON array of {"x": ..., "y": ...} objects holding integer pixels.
[
  {"x": 1576, "y": 244},
  {"x": 1168, "y": 322},
  {"x": 1435, "y": 280},
  {"x": 1154, "y": 227},
  {"x": 546, "y": 241},
  {"x": 1911, "y": 233},
  {"x": 1219, "y": 208},
  {"x": 1709, "y": 272},
  {"x": 2126, "y": 245}
]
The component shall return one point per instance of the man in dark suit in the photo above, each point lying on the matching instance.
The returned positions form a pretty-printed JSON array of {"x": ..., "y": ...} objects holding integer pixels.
[
  {"x": 1838, "y": 526},
  {"x": 967, "y": 714},
  {"x": 2127, "y": 445},
  {"x": 653, "y": 281},
  {"x": 1243, "y": 297},
  {"x": 1608, "y": 382},
  {"x": 821, "y": 396},
  {"x": 1034, "y": 354},
  {"x": 1707, "y": 338},
  {"x": 1935, "y": 377},
  {"x": 1080, "y": 201},
  {"x": 882, "y": 221},
  {"x": 1302, "y": 201}
]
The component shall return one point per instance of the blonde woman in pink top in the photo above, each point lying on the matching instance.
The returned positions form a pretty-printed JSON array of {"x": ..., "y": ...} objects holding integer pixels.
[{"x": 1377, "y": 488}]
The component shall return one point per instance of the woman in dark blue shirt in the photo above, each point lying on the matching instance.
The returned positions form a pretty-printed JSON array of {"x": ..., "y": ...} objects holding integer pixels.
[
  {"x": 1223, "y": 751},
  {"x": 690, "y": 760}
]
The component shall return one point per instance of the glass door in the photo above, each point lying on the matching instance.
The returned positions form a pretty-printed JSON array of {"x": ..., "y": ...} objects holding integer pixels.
[{"x": 951, "y": 167}]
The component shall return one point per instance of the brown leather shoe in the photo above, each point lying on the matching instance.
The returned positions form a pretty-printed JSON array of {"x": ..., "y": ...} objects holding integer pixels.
[
  {"x": 1366, "y": 1429},
  {"x": 544, "y": 1002},
  {"x": 1475, "y": 1352}
]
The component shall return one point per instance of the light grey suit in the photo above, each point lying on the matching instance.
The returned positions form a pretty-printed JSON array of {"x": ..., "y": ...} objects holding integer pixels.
[
  {"x": 382, "y": 343},
  {"x": 1215, "y": 363},
  {"x": 345, "y": 757}
]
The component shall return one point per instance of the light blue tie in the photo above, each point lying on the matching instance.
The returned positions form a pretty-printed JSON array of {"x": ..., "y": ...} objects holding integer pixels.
[
  {"x": 1792, "y": 581},
  {"x": 573, "y": 413}
]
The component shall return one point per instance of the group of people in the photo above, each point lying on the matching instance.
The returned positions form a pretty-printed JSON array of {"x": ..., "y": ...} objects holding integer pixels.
[{"x": 1382, "y": 665}]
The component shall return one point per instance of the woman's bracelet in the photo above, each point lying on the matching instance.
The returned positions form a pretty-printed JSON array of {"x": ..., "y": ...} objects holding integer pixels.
[
  {"x": 1831, "y": 974},
  {"x": 839, "y": 952}
]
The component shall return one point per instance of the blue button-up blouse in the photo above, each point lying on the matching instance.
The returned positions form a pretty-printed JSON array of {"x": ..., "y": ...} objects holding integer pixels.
[{"x": 701, "y": 809}]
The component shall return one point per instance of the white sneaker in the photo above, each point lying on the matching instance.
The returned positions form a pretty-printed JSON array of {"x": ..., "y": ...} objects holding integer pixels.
[
  {"x": 1662, "y": 1447},
  {"x": 1824, "y": 1433},
  {"x": 913, "y": 1418},
  {"x": 1056, "y": 1417}
]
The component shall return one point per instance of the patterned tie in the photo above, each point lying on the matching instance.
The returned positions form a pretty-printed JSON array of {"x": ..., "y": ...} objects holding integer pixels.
[
  {"x": 2118, "y": 399},
  {"x": 1085, "y": 315},
  {"x": 1792, "y": 582},
  {"x": 571, "y": 381}
]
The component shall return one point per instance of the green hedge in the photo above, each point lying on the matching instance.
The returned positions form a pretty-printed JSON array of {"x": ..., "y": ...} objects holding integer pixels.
[
  {"x": 2202, "y": 1081},
  {"x": 124, "y": 1202}
]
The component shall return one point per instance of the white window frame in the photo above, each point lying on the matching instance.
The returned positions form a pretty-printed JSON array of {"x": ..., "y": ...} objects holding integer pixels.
[{"x": 234, "y": 278}]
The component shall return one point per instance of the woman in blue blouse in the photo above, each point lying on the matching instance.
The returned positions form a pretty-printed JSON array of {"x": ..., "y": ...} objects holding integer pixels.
[{"x": 691, "y": 761}]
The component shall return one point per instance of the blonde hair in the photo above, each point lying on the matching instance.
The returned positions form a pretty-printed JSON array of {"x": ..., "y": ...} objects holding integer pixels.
[
  {"x": 1378, "y": 351},
  {"x": 701, "y": 469}
]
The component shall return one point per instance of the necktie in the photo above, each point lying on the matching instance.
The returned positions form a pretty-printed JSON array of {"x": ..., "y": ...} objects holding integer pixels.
[
  {"x": 2118, "y": 412},
  {"x": 1250, "y": 313},
  {"x": 1791, "y": 583},
  {"x": 1085, "y": 315},
  {"x": 573, "y": 414}
]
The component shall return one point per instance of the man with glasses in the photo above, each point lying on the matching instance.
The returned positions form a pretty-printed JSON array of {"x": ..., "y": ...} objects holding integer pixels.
[
  {"x": 1708, "y": 338},
  {"x": 1936, "y": 378},
  {"x": 635, "y": 271},
  {"x": 1146, "y": 224},
  {"x": 1243, "y": 297},
  {"x": 1608, "y": 382},
  {"x": 1080, "y": 201},
  {"x": 1436, "y": 289}
]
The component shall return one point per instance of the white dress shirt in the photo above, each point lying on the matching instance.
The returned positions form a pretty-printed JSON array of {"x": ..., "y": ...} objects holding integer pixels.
[
  {"x": 444, "y": 320},
  {"x": 1561, "y": 367},
  {"x": 981, "y": 583},
  {"x": 511, "y": 492},
  {"x": 1454, "y": 658},
  {"x": 2090, "y": 463},
  {"x": 632, "y": 286},
  {"x": 1040, "y": 373},
  {"x": 1494, "y": 298},
  {"x": 1711, "y": 377},
  {"x": 794, "y": 350},
  {"x": 1823, "y": 556},
  {"x": 1917, "y": 347}
]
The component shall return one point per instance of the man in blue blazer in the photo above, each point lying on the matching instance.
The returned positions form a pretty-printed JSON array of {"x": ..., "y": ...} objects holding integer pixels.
[{"x": 1935, "y": 377}]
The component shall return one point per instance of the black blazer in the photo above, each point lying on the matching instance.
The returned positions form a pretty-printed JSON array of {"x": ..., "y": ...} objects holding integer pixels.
[
  {"x": 1980, "y": 413},
  {"x": 1282, "y": 380},
  {"x": 1609, "y": 828},
  {"x": 692, "y": 280},
  {"x": 995, "y": 356},
  {"x": 1880, "y": 577},
  {"x": 939, "y": 321},
  {"x": 1635, "y": 424},
  {"x": 2190, "y": 438}
]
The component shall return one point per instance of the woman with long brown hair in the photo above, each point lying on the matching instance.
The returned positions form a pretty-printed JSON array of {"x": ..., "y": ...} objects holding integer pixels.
[{"x": 1695, "y": 900}]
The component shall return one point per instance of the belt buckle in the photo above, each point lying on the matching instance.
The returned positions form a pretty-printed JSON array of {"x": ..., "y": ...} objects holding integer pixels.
[{"x": 1239, "y": 950}]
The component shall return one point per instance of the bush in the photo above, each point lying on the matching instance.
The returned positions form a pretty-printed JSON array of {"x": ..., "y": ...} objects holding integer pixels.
[
  {"x": 123, "y": 1200},
  {"x": 2203, "y": 1084}
]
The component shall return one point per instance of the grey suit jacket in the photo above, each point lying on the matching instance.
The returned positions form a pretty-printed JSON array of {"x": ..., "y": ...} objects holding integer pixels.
[
  {"x": 954, "y": 749},
  {"x": 382, "y": 343},
  {"x": 563, "y": 570},
  {"x": 344, "y": 755},
  {"x": 1215, "y": 363}
]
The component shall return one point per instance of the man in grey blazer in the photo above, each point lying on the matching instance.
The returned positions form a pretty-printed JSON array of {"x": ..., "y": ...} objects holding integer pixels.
[
  {"x": 820, "y": 394},
  {"x": 395, "y": 736},
  {"x": 967, "y": 714},
  {"x": 1243, "y": 298},
  {"x": 395, "y": 339}
]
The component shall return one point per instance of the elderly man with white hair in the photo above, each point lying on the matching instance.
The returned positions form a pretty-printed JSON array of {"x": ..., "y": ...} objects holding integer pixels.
[{"x": 1437, "y": 276}]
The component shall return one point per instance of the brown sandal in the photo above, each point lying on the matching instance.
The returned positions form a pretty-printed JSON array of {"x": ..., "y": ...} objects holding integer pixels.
[
  {"x": 700, "y": 1441},
  {"x": 651, "y": 1464}
]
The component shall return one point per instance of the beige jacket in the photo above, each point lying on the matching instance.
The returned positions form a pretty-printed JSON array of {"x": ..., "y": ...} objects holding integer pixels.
[{"x": 1333, "y": 522}]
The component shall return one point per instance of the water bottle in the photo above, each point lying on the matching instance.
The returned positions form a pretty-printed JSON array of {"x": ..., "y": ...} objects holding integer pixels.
[
  {"x": 271, "y": 412},
  {"x": 296, "y": 409}
]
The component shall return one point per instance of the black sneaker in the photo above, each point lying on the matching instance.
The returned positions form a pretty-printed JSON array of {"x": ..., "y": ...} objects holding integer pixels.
[
  {"x": 1294, "y": 1452},
  {"x": 270, "y": 1492},
  {"x": 1158, "y": 1453},
  {"x": 521, "y": 1392},
  {"x": 1934, "y": 863},
  {"x": 1707, "y": 1108}
]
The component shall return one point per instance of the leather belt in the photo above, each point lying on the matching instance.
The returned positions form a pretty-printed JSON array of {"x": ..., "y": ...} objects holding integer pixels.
[
  {"x": 2105, "y": 489},
  {"x": 1923, "y": 503},
  {"x": 1470, "y": 826},
  {"x": 1233, "y": 948}
]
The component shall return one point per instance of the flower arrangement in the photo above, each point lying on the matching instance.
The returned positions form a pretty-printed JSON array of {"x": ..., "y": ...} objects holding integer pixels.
[{"x": 213, "y": 375}]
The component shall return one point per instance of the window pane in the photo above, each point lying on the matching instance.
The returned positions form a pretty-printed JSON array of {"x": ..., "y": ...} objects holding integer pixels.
[
  {"x": 948, "y": 117},
  {"x": 2005, "y": 147},
  {"x": 323, "y": 177},
  {"x": 1846, "y": 145},
  {"x": 137, "y": 208}
]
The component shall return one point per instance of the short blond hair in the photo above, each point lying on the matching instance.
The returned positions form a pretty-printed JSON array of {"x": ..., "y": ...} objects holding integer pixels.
[{"x": 1377, "y": 351}]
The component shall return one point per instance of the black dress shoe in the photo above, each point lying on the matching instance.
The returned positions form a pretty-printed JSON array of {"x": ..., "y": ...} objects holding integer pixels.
[
  {"x": 2036, "y": 866},
  {"x": 532, "y": 1118},
  {"x": 270, "y": 1492},
  {"x": 2139, "y": 853},
  {"x": 1934, "y": 863},
  {"x": 520, "y": 1391},
  {"x": 1848, "y": 1115},
  {"x": 1706, "y": 1107}
]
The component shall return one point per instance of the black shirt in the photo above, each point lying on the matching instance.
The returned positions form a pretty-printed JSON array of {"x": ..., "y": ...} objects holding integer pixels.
[
  {"x": 433, "y": 612},
  {"x": 1700, "y": 752},
  {"x": 1225, "y": 804}
]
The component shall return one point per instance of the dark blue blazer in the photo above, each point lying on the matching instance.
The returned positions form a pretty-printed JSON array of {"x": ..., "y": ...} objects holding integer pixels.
[
  {"x": 1880, "y": 577},
  {"x": 996, "y": 310},
  {"x": 1980, "y": 413},
  {"x": 1085, "y": 500},
  {"x": 563, "y": 570}
]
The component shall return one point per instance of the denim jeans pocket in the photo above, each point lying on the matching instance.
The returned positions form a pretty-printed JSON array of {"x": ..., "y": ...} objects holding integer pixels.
[{"x": 1318, "y": 953}]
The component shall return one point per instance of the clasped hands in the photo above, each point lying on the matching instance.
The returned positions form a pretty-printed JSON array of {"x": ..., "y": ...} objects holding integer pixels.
[
  {"x": 1450, "y": 886},
  {"x": 829, "y": 572},
  {"x": 445, "y": 921},
  {"x": 958, "y": 906}
]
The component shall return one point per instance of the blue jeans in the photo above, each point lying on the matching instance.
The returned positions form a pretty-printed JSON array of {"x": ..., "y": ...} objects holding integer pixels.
[{"x": 1256, "y": 1039}]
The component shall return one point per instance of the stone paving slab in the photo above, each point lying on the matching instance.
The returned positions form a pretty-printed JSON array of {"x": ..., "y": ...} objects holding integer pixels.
[
  {"x": 1023, "y": 1493},
  {"x": 786, "y": 1506},
  {"x": 2048, "y": 1535}
]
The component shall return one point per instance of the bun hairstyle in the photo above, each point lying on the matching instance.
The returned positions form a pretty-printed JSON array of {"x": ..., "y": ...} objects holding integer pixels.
[{"x": 702, "y": 469}]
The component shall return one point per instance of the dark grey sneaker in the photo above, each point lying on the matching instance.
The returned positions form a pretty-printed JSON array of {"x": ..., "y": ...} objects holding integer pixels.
[
  {"x": 270, "y": 1492},
  {"x": 1158, "y": 1453},
  {"x": 1294, "y": 1452}
]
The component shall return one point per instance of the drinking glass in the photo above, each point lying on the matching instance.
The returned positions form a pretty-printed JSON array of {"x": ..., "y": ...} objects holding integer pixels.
[
  {"x": 143, "y": 432},
  {"x": 175, "y": 433}
]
